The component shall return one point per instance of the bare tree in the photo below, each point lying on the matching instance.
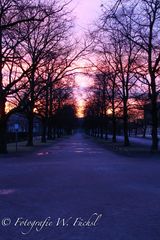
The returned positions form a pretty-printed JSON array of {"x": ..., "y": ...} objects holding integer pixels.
[
  {"x": 46, "y": 39},
  {"x": 144, "y": 17},
  {"x": 120, "y": 56},
  {"x": 12, "y": 69}
]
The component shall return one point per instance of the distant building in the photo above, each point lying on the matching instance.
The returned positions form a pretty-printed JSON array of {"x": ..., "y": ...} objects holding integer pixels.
[{"x": 18, "y": 122}]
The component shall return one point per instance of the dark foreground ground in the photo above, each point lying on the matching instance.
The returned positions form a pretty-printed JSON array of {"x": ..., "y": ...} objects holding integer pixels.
[{"x": 75, "y": 179}]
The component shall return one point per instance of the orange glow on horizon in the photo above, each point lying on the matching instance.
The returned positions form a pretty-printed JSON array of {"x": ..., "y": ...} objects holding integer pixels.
[
  {"x": 83, "y": 82},
  {"x": 80, "y": 108},
  {"x": 9, "y": 106}
]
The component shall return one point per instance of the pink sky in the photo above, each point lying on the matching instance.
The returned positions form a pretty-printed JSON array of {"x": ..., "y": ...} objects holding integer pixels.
[{"x": 86, "y": 11}]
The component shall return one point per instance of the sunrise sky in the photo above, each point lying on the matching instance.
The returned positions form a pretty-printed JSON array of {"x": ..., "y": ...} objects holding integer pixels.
[{"x": 86, "y": 13}]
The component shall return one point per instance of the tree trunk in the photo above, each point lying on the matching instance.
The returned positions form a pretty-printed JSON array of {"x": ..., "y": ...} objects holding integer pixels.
[
  {"x": 3, "y": 124},
  {"x": 50, "y": 118},
  {"x": 101, "y": 127},
  {"x": 125, "y": 124},
  {"x": 54, "y": 133},
  {"x": 101, "y": 134},
  {"x": 31, "y": 108},
  {"x": 106, "y": 129},
  {"x": 154, "y": 123},
  {"x": 114, "y": 129},
  {"x": 144, "y": 129},
  {"x": 3, "y": 127},
  {"x": 45, "y": 120},
  {"x": 43, "y": 137},
  {"x": 30, "y": 129},
  {"x": 50, "y": 129}
]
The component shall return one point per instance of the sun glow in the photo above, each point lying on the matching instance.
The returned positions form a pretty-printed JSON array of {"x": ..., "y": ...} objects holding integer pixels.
[
  {"x": 80, "y": 108},
  {"x": 82, "y": 82},
  {"x": 109, "y": 111}
]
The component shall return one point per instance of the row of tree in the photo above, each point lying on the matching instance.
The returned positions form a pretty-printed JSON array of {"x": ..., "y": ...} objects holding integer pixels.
[
  {"x": 128, "y": 65},
  {"x": 37, "y": 56}
]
